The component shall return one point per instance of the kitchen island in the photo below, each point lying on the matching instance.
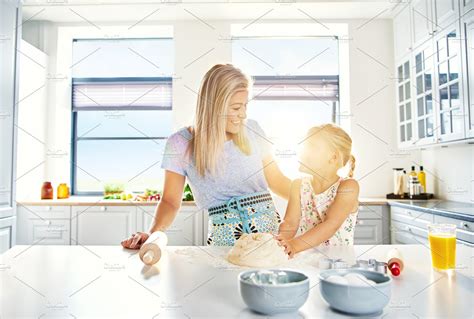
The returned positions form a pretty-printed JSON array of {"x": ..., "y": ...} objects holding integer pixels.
[{"x": 197, "y": 282}]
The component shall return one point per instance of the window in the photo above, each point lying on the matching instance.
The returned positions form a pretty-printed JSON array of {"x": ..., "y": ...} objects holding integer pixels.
[
  {"x": 121, "y": 112},
  {"x": 296, "y": 86}
]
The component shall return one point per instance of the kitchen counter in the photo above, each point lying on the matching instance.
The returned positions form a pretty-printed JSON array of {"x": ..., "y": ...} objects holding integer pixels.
[
  {"x": 99, "y": 201},
  {"x": 459, "y": 210},
  {"x": 196, "y": 282}
]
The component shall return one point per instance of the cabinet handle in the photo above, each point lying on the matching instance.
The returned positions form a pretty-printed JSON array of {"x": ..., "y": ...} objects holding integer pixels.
[
  {"x": 464, "y": 225},
  {"x": 47, "y": 222},
  {"x": 359, "y": 222},
  {"x": 409, "y": 229},
  {"x": 47, "y": 208},
  {"x": 103, "y": 208}
]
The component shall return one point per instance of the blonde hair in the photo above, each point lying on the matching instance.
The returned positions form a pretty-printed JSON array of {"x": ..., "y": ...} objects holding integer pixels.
[
  {"x": 215, "y": 92},
  {"x": 339, "y": 140}
]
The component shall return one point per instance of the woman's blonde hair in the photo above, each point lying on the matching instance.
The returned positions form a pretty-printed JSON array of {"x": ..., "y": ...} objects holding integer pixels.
[
  {"x": 339, "y": 140},
  {"x": 217, "y": 87}
]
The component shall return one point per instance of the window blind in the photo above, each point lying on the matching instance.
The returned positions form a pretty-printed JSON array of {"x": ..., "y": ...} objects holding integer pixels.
[
  {"x": 303, "y": 87},
  {"x": 122, "y": 93}
]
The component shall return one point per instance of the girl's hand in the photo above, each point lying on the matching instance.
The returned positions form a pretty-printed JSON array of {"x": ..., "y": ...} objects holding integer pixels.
[
  {"x": 289, "y": 249},
  {"x": 135, "y": 241}
]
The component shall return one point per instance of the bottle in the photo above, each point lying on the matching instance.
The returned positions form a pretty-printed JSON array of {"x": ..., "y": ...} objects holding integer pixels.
[
  {"x": 47, "y": 191},
  {"x": 63, "y": 191},
  {"x": 422, "y": 179},
  {"x": 395, "y": 262},
  {"x": 413, "y": 172},
  {"x": 152, "y": 249}
]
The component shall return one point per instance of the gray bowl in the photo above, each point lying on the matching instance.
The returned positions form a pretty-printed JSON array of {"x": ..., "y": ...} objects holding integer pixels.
[
  {"x": 356, "y": 300},
  {"x": 271, "y": 299}
]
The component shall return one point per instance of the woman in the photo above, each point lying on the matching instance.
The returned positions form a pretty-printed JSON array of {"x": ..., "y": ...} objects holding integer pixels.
[{"x": 227, "y": 161}]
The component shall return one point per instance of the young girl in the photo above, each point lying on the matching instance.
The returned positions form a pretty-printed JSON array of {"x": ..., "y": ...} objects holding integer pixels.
[{"x": 322, "y": 207}]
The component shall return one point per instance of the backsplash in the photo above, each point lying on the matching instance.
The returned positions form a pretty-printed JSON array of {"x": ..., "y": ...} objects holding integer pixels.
[{"x": 450, "y": 171}]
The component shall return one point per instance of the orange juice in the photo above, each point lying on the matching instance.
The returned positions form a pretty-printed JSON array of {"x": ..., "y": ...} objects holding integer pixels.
[{"x": 443, "y": 250}]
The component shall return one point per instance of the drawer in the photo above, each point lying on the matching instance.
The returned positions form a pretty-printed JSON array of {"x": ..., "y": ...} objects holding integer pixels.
[
  {"x": 46, "y": 212},
  {"x": 411, "y": 217},
  {"x": 49, "y": 232},
  {"x": 370, "y": 212},
  {"x": 460, "y": 224},
  {"x": 409, "y": 229},
  {"x": 401, "y": 237}
]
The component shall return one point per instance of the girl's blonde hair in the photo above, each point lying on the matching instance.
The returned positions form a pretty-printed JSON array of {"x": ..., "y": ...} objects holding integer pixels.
[
  {"x": 215, "y": 92},
  {"x": 339, "y": 140}
]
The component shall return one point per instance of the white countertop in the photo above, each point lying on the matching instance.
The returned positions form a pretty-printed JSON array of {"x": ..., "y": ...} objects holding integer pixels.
[
  {"x": 196, "y": 282},
  {"x": 99, "y": 201}
]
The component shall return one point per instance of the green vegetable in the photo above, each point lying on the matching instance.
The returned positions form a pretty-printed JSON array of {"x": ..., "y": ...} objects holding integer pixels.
[{"x": 187, "y": 193}]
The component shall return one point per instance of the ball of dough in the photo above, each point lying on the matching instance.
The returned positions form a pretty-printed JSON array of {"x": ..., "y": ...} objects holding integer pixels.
[{"x": 258, "y": 250}]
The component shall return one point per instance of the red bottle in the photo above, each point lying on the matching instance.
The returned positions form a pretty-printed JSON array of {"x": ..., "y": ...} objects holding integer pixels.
[{"x": 47, "y": 191}]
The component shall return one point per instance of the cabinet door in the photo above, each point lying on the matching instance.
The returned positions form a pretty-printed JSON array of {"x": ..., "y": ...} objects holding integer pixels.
[
  {"x": 7, "y": 233},
  {"x": 404, "y": 104},
  {"x": 368, "y": 232},
  {"x": 445, "y": 12},
  {"x": 407, "y": 234},
  {"x": 468, "y": 48},
  {"x": 102, "y": 225},
  {"x": 186, "y": 229},
  {"x": 466, "y": 6},
  {"x": 10, "y": 31},
  {"x": 422, "y": 21},
  {"x": 448, "y": 75},
  {"x": 402, "y": 32},
  {"x": 44, "y": 225},
  {"x": 423, "y": 64}
]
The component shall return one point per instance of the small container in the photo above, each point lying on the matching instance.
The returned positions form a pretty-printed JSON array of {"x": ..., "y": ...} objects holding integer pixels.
[
  {"x": 47, "y": 191},
  {"x": 63, "y": 191},
  {"x": 152, "y": 249},
  {"x": 398, "y": 181}
]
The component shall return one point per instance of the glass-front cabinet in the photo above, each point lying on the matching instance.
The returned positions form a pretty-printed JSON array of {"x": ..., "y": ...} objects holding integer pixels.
[
  {"x": 423, "y": 93},
  {"x": 468, "y": 47},
  {"x": 448, "y": 101},
  {"x": 404, "y": 104}
]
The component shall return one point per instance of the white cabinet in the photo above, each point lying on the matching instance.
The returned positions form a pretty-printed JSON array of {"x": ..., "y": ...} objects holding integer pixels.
[
  {"x": 372, "y": 225},
  {"x": 422, "y": 21},
  {"x": 186, "y": 230},
  {"x": 445, "y": 12},
  {"x": 402, "y": 36},
  {"x": 467, "y": 23},
  {"x": 102, "y": 225},
  {"x": 404, "y": 103},
  {"x": 44, "y": 225},
  {"x": 411, "y": 226},
  {"x": 10, "y": 34},
  {"x": 7, "y": 233},
  {"x": 449, "y": 90},
  {"x": 466, "y": 6}
]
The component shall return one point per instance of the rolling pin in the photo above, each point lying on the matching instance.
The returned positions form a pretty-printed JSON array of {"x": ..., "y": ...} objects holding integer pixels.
[{"x": 152, "y": 249}]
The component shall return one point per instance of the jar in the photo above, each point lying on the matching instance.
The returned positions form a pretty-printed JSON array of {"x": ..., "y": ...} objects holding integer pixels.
[
  {"x": 47, "y": 191},
  {"x": 63, "y": 191}
]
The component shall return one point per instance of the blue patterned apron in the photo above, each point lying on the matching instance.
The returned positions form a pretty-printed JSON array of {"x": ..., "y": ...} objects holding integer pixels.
[{"x": 253, "y": 213}]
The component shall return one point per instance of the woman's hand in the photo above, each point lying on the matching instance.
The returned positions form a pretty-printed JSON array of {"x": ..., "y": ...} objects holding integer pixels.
[
  {"x": 286, "y": 243},
  {"x": 135, "y": 241}
]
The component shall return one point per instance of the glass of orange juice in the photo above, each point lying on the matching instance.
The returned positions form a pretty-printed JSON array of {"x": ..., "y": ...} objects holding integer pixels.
[{"x": 442, "y": 239}]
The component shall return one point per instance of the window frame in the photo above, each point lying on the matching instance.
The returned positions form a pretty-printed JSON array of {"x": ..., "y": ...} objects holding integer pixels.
[{"x": 74, "y": 114}]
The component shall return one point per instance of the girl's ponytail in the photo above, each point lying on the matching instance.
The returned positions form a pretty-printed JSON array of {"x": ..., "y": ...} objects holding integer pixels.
[{"x": 352, "y": 162}]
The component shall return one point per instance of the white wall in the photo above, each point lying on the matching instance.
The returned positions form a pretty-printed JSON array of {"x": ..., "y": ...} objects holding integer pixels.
[
  {"x": 450, "y": 171},
  {"x": 32, "y": 111},
  {"x": 373, "y": 117}
]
